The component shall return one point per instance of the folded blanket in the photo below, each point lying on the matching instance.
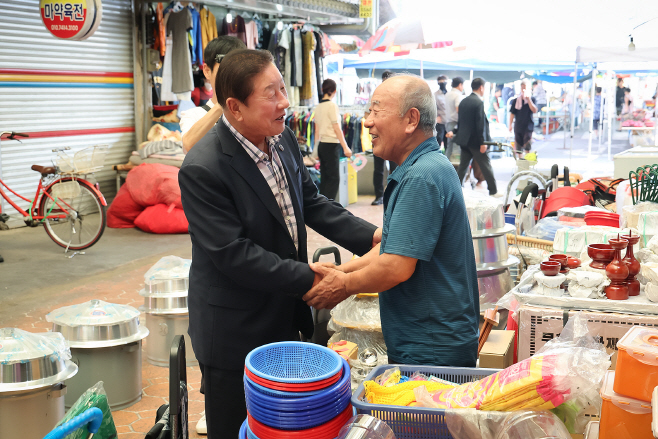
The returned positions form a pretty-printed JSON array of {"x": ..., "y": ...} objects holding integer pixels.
[{"x": 169, "y": 147}]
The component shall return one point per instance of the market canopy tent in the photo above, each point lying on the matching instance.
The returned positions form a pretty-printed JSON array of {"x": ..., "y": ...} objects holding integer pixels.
[{"x": 613, "y": 59}]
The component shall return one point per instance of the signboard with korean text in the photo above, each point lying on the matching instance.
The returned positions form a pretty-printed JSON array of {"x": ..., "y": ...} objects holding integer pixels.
[
  {"x": 365, "y": 9},
  {"x": 71, "y": 19}
]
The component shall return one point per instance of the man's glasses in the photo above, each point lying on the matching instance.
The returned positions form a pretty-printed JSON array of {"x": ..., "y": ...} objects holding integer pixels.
[{"x": 218, "y": 58}]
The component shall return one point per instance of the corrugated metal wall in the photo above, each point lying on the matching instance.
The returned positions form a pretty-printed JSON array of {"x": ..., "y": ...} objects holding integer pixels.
[{"x": 25, "y": 44}]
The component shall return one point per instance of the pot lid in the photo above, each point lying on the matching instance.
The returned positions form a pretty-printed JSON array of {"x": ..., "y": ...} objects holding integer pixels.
[
  {"x": 169, "y": 275},
  {"x": 29, "y": 361},
  {"x": 641, "y": 343},
  {"x": 97, "y": 324},
  {"x": 484, "y": 212},
  {"x": 625, "y": 403}
]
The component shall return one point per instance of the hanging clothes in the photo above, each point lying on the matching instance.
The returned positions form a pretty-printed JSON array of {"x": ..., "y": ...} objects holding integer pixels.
[
  {"x": 236, "y": 28},
  {"x": 161, "y": 34},
  {"x": 196, "y": 41},
  {"x": 309, "y": 93},
  {"x": 167, "y": 73},
  {"x": 251, "y": 31},
  {"x": 297, "y": 38},
  {"x": 259, "y": 29},
  {"x": 177, "y": 25},
  {"x": 319, "y": 54},
  {"x": 208, "y": 27}
]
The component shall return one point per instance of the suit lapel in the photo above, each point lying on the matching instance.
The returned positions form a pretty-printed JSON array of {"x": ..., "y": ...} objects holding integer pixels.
[
  {"x": 245, "y": 166},
  {"x": 290, "y": 169}
]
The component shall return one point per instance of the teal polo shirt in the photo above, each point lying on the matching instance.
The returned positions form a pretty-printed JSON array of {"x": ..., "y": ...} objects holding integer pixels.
[{"x": 432, "y": 318}]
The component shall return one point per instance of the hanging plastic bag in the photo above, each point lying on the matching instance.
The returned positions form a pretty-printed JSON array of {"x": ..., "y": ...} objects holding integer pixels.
[{"x": 95, "y": 396}]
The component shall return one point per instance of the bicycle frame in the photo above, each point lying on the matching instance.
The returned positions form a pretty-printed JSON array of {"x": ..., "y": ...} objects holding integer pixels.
[{"x": 43, "y": 191}]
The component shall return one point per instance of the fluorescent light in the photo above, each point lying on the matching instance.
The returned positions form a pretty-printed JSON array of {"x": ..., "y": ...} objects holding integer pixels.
[
  {"x": 279, "y": 25},
  {"x": 229, "y": 17},
  {"x": 631, "y": 46},
  {"x": 279, "y": 8}
]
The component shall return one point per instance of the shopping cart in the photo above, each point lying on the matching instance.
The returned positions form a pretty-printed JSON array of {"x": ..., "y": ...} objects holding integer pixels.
[
  {"x": 90, "y": 419},
  {"x": 321, "y": 317}
]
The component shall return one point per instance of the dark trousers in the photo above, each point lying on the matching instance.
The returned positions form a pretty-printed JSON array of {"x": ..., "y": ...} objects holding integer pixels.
[
  {"x": 225, "y": 402},
  {"x": 473, "y": 153},
  {"x": 329, "y": 155},
  {"x": 441, "y": 134},
  {"x": 378, "y": 175}
]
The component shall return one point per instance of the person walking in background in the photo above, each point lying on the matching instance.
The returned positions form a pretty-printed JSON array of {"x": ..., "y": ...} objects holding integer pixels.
[
  {"x": 331, "y": 140},
  {"x": 596, "y": 113},
  {"x": 620, "y": 95},
  {"x": 380, "y": 163},
  {"x": 628, "y": 102},
  {"x": 453, "y": 98},
  {"x": 494, "y": 104},
  {"x": 522, "y": 108},
  {"x": 440, "y": 98},
  {"x": 472, "y": 133},
  {"x": 539, "y": 94}
]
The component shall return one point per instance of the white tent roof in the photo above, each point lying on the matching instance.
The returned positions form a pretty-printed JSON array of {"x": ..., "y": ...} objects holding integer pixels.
[{"x": 615, "y": 54}]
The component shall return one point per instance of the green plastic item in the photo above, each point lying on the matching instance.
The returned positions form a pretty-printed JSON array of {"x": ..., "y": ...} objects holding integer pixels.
[{"x": 94, "y": 397}]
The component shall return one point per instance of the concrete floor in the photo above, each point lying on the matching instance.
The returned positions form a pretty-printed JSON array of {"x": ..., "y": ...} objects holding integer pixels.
[{"x": 36, "y": 277}]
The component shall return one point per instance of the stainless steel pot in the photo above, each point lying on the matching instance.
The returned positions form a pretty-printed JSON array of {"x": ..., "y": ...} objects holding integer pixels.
[
  {"x": 485, "y": 214},
  {"x": 32, "y": 369},
  {"x": 31, "y": 414},
  {"x": 494, "y": 281},
  {"x": 105, "y": 340},
  {"x": 163, "y": 328}
]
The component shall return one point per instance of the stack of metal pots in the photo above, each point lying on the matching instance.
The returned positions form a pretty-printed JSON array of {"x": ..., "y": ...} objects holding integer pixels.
[
  {"x": 33, "y": 368},
  {"x": 106, "y": 344},
  {"x": 489, "y": 231},
  {"x": 165, "y": 305}
]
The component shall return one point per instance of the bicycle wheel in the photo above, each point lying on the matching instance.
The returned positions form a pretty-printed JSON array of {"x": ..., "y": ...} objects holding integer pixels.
[{"x": 84, "y": 223}]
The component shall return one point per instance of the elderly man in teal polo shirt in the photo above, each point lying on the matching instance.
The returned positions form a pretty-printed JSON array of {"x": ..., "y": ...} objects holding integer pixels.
[{"x": 424, "y": 267}]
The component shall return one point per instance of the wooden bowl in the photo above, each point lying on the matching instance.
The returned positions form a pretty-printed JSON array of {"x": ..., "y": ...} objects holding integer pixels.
[
  {"x": 601, "y": 254},
  {"x": 562, "y": 259},
  {"x": 550, "y": 268}
]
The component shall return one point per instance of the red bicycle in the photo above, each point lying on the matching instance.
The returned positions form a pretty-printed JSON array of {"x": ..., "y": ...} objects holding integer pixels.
[{"x": 71, "y": 208}]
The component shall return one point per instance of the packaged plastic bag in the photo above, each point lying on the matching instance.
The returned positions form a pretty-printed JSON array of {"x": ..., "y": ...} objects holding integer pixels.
[
  {"x": 358, "y": 312},
  {"x": 94, "y": 397},
  {"x": 565, "y": 368},
  {"x": 546, "y": 228},
  {"x": 169, "y": 267},
  {"x": 476, "y": 424}
]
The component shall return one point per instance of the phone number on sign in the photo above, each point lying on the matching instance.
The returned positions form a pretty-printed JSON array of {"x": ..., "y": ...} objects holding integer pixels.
[{"x": 64, "y": 27}]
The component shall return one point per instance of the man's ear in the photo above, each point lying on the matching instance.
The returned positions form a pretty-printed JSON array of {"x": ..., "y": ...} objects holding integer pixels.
[
  {"x": 207, "y": 72},
  {"x": 233, "y": 107},
  {"x": 413, "y": 116}
]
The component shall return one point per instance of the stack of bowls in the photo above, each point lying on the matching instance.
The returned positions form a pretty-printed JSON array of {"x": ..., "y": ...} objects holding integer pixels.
[{"x": 296, "y": 390}]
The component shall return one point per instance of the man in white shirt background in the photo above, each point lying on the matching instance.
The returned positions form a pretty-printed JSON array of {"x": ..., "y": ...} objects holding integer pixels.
[
  {"x": 452, "y": 100},
  {"x": 196, "y": 122}
]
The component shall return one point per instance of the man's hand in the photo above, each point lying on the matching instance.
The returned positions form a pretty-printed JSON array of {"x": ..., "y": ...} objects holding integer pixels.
[
  {"x": 377, "y": 237},
  {"x": 330, "y": 291},
  {"x": 483, "y": 148},
  {"x": 450, "y": 135},
  {"x": 347, "y": 152}
]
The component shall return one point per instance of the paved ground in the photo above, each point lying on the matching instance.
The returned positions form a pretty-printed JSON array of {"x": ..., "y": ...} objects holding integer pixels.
[{"x": 37, "y": 278}]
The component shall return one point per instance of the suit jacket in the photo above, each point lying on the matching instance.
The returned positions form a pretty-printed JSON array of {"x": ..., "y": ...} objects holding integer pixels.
[
  {"x": 473, "y": 128},
  {"x": 247, "y": 279}
]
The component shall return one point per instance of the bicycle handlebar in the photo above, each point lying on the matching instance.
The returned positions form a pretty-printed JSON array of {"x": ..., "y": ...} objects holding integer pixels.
[
  {"x": 12, "y": 135},
  {"x": 66, "y": 148}
]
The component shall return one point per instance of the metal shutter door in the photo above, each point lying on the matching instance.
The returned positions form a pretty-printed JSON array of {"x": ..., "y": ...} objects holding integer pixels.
[{"x": 76, "y": 113}]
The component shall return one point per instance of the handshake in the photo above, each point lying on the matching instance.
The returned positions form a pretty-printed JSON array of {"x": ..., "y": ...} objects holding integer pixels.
[{"x": 331, "y": 282}]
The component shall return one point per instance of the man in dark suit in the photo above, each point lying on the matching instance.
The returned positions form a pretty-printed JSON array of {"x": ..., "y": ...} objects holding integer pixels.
[
  {"x": 248, "y": 199},
  {"x": 472, "y": 132}
]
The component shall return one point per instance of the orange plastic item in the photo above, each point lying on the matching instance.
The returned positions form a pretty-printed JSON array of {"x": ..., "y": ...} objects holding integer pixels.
[
  {"x": 622, "y": 417},
  {"x": 637, "y": 363}
]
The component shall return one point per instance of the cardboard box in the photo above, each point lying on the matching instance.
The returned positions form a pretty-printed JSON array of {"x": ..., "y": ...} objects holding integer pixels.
[
  {"x": 345, "y": 349},
  {"x": 538, "y": 325},
  {"x": 498, "y": 351}
]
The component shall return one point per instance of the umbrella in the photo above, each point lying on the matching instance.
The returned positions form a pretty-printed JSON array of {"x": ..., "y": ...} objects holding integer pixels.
[{"x": 401, "y": 35}]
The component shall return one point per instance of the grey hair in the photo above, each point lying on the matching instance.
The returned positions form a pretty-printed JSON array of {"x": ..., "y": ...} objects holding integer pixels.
[{"x": 419, "y": 96}]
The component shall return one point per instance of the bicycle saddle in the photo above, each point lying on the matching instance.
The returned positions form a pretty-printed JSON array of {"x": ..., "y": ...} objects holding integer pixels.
[{"x": 44, "y": 170}]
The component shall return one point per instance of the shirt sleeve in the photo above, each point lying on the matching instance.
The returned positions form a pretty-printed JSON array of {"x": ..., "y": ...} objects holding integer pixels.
[
  {"x": 415, "y": 222},
  {"x": 513, "y": 109},
  {"x": 189, "y": 118},
  {"x": 189, "y": 21}
]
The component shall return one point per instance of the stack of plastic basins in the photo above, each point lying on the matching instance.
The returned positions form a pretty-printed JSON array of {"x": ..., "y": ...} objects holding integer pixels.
[
  {"x": 295, "y": 390},
  {"x": 627, "y": 391}
]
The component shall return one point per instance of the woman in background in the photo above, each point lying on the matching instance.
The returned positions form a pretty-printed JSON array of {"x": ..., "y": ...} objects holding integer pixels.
[{"x": 331, "y": 140}]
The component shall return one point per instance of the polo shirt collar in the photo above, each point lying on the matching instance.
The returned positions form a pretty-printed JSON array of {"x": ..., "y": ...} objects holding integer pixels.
[{"x": 428, "y": 145}]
